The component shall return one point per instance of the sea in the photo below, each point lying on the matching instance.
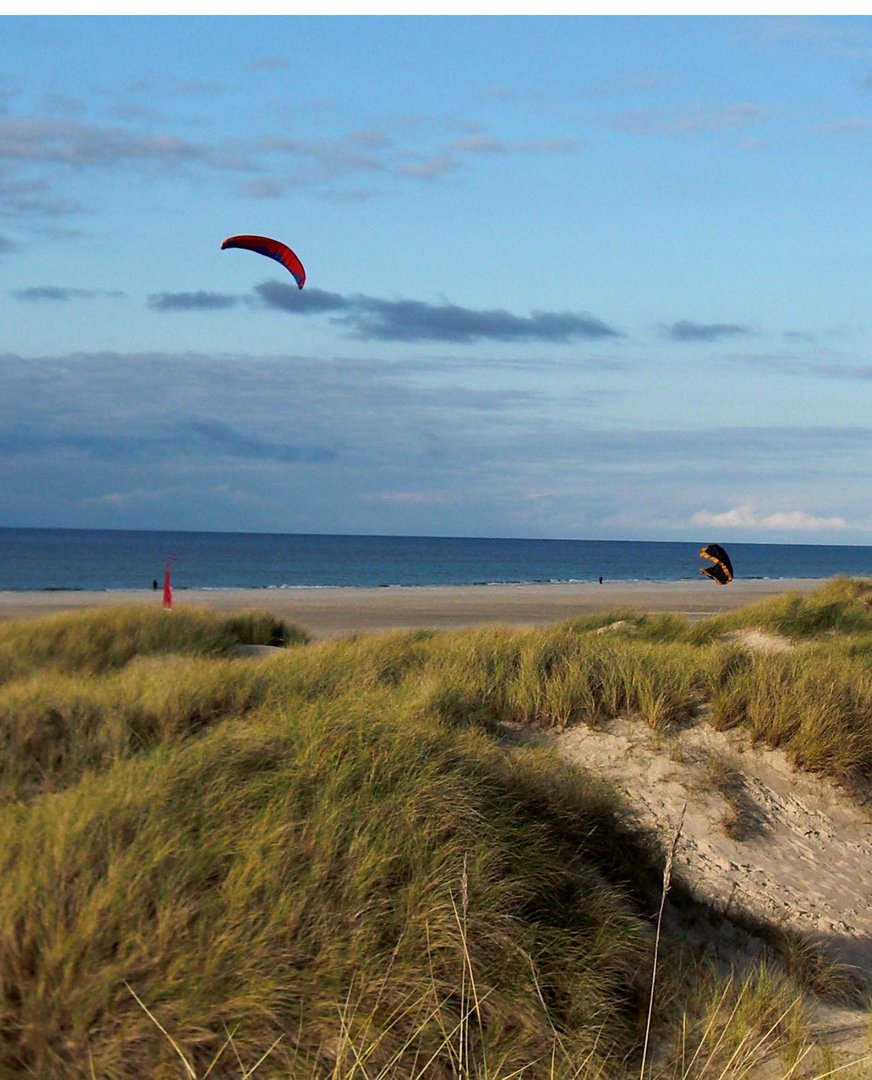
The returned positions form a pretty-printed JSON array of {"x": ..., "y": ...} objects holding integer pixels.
[{"x": 36, "y": 560}]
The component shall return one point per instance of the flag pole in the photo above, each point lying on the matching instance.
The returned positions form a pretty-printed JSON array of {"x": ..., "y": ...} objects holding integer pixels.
[{"x": 168, "y": 586}]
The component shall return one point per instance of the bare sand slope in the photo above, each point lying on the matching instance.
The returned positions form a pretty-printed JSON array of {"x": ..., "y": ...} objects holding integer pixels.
[{"x": 758, "y": 838}]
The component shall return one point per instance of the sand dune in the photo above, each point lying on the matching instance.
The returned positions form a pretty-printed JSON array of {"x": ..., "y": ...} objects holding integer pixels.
[
  {"x": 767, "y": 842},
  {"x": 760, "y": 840}
]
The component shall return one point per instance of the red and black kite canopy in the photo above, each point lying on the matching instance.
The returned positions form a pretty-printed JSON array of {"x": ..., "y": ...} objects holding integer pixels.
[{"x": 273, "y": 249}]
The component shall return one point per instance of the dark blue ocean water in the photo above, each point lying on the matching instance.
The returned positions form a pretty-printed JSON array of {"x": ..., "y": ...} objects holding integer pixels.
[{"x": 41, "y": 559}]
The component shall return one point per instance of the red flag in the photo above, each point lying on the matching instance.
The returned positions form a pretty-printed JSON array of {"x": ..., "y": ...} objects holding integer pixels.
[{"x": 168, "y": 587}]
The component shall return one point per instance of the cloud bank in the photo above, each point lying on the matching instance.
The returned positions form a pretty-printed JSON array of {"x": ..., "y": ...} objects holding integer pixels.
[
  {"x": 191, "y": 301},
  {"x": 689, "y": 121},
  {"x": 36, "y": 149},
  {"x": 60, "y": 292},
  {"x": 454, "y": 444},
  {"x": 685, "y": 330},
  {"x": 747, "y": 517},
  {"x": 372, "y": 319}
]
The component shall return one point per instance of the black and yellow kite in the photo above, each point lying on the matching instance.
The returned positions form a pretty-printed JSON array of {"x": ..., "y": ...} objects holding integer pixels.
[{"x": 722, "y": 569}]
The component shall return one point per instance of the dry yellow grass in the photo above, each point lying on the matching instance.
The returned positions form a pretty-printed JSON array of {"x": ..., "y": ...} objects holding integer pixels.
[{"x": 325, "y": 866}]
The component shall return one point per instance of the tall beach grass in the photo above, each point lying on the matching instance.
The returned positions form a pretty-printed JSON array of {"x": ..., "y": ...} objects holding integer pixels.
[{"x": 326, "y": 865}]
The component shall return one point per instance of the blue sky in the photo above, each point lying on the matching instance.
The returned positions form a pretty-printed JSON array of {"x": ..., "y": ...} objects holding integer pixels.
[{"x": 597, "y": 277}]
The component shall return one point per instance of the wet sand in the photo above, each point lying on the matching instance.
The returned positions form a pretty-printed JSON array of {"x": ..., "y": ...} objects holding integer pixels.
[{"x": 335, "y": 612}]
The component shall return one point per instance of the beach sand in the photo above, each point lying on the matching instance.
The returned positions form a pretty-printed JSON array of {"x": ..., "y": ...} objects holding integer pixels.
[{"x": 335, "y": 612}]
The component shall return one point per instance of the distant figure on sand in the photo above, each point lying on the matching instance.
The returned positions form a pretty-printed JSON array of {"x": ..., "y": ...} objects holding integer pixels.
[
  {"x": 154, "y": 584},
  {"x": 600, "y": 579}
]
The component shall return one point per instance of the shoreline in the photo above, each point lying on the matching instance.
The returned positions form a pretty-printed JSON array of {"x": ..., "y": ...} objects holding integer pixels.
[{"x": 337, "y": 611}]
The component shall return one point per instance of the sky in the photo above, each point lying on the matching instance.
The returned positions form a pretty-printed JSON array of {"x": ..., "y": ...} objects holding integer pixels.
[{"x": 600, "y": 277}]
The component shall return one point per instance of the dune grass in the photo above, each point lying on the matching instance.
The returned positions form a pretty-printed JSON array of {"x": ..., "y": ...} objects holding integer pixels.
[
  {"x": 268, "y": 873},
  {"x": 106, "y": 639},
  {"x": 843, "y": 606},
  {"x": 814, "y": 702},
  {"x": 325, "y": 865},
  {"x": 58, "y": 726}
]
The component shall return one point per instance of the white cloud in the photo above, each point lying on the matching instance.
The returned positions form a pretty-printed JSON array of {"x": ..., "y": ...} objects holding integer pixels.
[{"x": 746, "y": 516}]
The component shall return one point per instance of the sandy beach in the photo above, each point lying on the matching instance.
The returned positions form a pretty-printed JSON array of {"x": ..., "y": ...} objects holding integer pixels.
[{"x": 334, "y": 612}]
